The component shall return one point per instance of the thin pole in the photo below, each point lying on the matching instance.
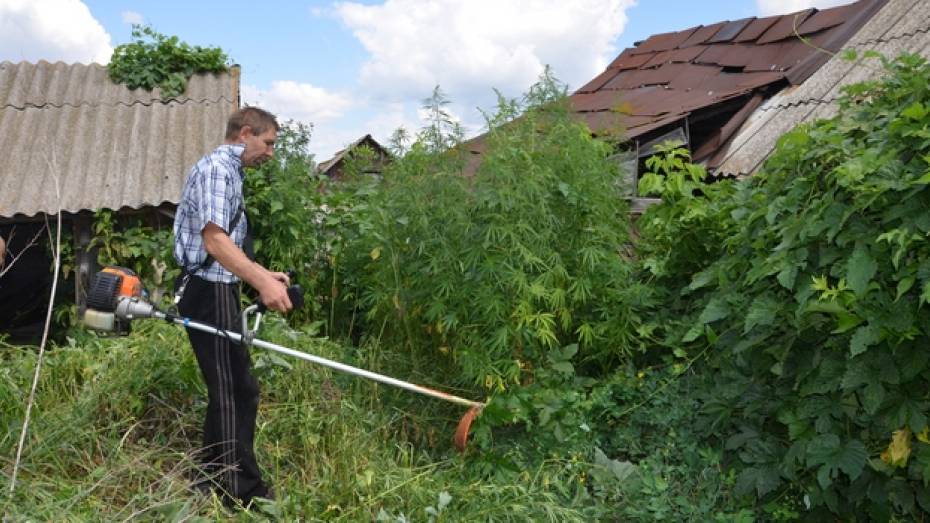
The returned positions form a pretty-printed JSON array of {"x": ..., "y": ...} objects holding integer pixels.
[{"x": 342, "y": 367}]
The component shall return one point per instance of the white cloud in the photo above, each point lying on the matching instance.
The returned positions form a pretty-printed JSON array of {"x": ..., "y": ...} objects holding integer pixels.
[
  {"x": 330, "y": 137},
  {"x": 469, "y": 47},
  {"x": 298, "y": 101},
  {"x": 52, "y": 30},
  {"x": 132, "y": 18},
  {"x": 781, "y": 7}
]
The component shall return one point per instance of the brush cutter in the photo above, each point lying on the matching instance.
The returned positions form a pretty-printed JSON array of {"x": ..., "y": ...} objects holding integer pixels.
[{"x": 116, "y": 298}]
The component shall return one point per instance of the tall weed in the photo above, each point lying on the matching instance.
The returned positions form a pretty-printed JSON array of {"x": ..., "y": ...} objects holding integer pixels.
[{"x": 503, "y": 271}]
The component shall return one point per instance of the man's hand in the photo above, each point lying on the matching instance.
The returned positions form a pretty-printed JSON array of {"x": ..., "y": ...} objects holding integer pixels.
[
  {"x": 273, "y": 292},
  {"x": 271, "y": 286},
  {"x": 282, "y": 277}
]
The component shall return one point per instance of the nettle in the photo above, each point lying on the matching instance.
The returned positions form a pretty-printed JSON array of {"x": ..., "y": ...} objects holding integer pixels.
[
  {"x": 155, "y": 60},
  {"x": 813, "y": 309}
]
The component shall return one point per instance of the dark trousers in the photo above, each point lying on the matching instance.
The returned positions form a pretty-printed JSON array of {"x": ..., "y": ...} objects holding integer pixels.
[{"x": 228, "y": 454}]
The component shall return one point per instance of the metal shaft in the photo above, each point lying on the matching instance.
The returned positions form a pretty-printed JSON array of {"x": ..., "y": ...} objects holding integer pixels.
[{"x": 387, "y": 380}]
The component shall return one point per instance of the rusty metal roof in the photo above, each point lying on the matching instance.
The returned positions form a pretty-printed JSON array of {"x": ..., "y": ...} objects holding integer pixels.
[
  {"x": 75, "y": 140},
  {"x": 702, "y": 66},
  {"x": 900, "y": 26}
]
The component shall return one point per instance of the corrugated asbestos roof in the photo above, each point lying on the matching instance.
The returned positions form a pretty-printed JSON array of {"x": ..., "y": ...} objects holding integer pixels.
[
  {"x": 900, "y": 26},
  {"x": 105, "y": 145},
  {"x": 669, "y": 76}
]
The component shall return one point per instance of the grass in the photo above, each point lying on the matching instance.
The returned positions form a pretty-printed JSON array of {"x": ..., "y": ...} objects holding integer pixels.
[{"x": 116, "y": 421}]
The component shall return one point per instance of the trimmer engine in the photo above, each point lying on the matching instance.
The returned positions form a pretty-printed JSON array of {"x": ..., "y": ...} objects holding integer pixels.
[{"x": 107, "y": 289}]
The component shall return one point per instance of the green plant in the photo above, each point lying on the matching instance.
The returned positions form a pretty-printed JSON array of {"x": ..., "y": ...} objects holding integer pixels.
[
  {"x": 155, "y": 60},
  {"x": 810, "y": 303},
  {"x": 504, "y": 271},
  {"x": 303, "y": 222}
]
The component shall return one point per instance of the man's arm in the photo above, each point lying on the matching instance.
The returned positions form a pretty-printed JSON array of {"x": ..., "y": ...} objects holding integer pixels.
[
  {"x": 271, "y": 286},
  {"x": 2, "y": 252}
]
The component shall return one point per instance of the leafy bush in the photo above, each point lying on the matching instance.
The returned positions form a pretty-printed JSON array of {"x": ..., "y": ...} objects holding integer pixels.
[
  {"x": 154, "y": 60},
  {"x": 304, "y": 223},
  {"x": 813, "y": 308}
]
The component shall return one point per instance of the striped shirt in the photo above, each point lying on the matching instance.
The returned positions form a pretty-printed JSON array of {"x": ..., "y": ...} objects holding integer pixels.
[{"x": 212, "y": 193}]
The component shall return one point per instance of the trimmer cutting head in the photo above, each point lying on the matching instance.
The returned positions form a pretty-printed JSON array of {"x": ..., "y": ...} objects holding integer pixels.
[{"x": 460, "y": 439}]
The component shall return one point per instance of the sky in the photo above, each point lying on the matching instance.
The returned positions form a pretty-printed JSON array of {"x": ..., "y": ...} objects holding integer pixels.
[{"x": 360, "y": 67}]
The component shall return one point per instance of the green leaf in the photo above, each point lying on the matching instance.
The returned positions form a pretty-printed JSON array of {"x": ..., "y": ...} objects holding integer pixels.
[
  {"x": 716, "y": 309},
  {"x": 787, "y": 276},
  {"x": 822, "y": 449},
  {"x": 693, "y": 333},
  {"x": 702, "y": 279},
  {"x": 620, "y": 469},
  {"x": 825, "y": 450},
  {"x": 872, "y": 397},
  {"x": 916, "y": 111},
  {"x": 762, "y": 312},
  {"x": 846, "y": 322},
  {"x": 651, "y": 184},
  {"x": 904, "y": 285},
  {"x": 864, "y": 337},
  {"x": 925, "y": 293},
  {"x": 563, "y": 367},
  {"x": 762, "y": 480},
  {"x": 569, "y": 350},
  {"x": 852, "y": 459},
  {"x": 829, "y": 307},
  {"x": 860, "y": 269}
]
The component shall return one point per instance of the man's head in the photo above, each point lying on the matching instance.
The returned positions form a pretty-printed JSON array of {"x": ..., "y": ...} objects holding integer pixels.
[{"x": 257, "y": 129}]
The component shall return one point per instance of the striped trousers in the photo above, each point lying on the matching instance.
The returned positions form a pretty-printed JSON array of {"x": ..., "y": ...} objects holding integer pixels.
[{"x": 228, "y": 454}]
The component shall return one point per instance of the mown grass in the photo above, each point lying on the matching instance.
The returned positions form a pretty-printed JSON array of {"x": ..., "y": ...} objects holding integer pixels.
[{"x": 116, "y": 421}]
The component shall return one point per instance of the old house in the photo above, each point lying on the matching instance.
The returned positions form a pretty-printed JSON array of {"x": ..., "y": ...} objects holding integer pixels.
[
  {"x": 335, "y": 168},
  {"x": 700, "y": 85},
  {"x": 901, "y": 26}
]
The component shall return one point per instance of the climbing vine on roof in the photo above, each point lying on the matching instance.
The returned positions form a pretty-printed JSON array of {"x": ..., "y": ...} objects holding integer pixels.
[{"x": 153, "y": 60}]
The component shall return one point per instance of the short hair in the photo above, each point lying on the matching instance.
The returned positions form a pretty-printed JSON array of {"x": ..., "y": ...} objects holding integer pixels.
[{"x": 258, "y": 119}]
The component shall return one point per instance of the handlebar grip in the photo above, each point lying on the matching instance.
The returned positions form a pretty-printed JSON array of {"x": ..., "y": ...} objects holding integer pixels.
[{"x": 295, "y": 293}]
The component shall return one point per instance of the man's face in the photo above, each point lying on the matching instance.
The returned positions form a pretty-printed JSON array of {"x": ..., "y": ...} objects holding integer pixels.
[{"x": 259, "y": 148}]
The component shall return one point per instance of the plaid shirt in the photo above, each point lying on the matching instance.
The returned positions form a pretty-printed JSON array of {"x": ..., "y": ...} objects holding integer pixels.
[{"x": 212, "y": 193}]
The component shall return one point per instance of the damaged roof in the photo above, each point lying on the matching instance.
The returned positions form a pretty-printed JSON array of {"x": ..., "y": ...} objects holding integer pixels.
[
  {"x": 331, "y": 166},
  {"x": 901, "y": 26},
  {"x": 709, "y": 79},
  {"x": 70, "y": 131}
]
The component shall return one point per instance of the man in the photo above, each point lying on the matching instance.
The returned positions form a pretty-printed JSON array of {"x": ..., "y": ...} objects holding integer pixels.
[{"x": 210, "y": 230}]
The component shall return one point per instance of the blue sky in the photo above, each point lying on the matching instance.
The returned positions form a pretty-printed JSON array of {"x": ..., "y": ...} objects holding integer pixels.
[{"x": 363, "y": 66}]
